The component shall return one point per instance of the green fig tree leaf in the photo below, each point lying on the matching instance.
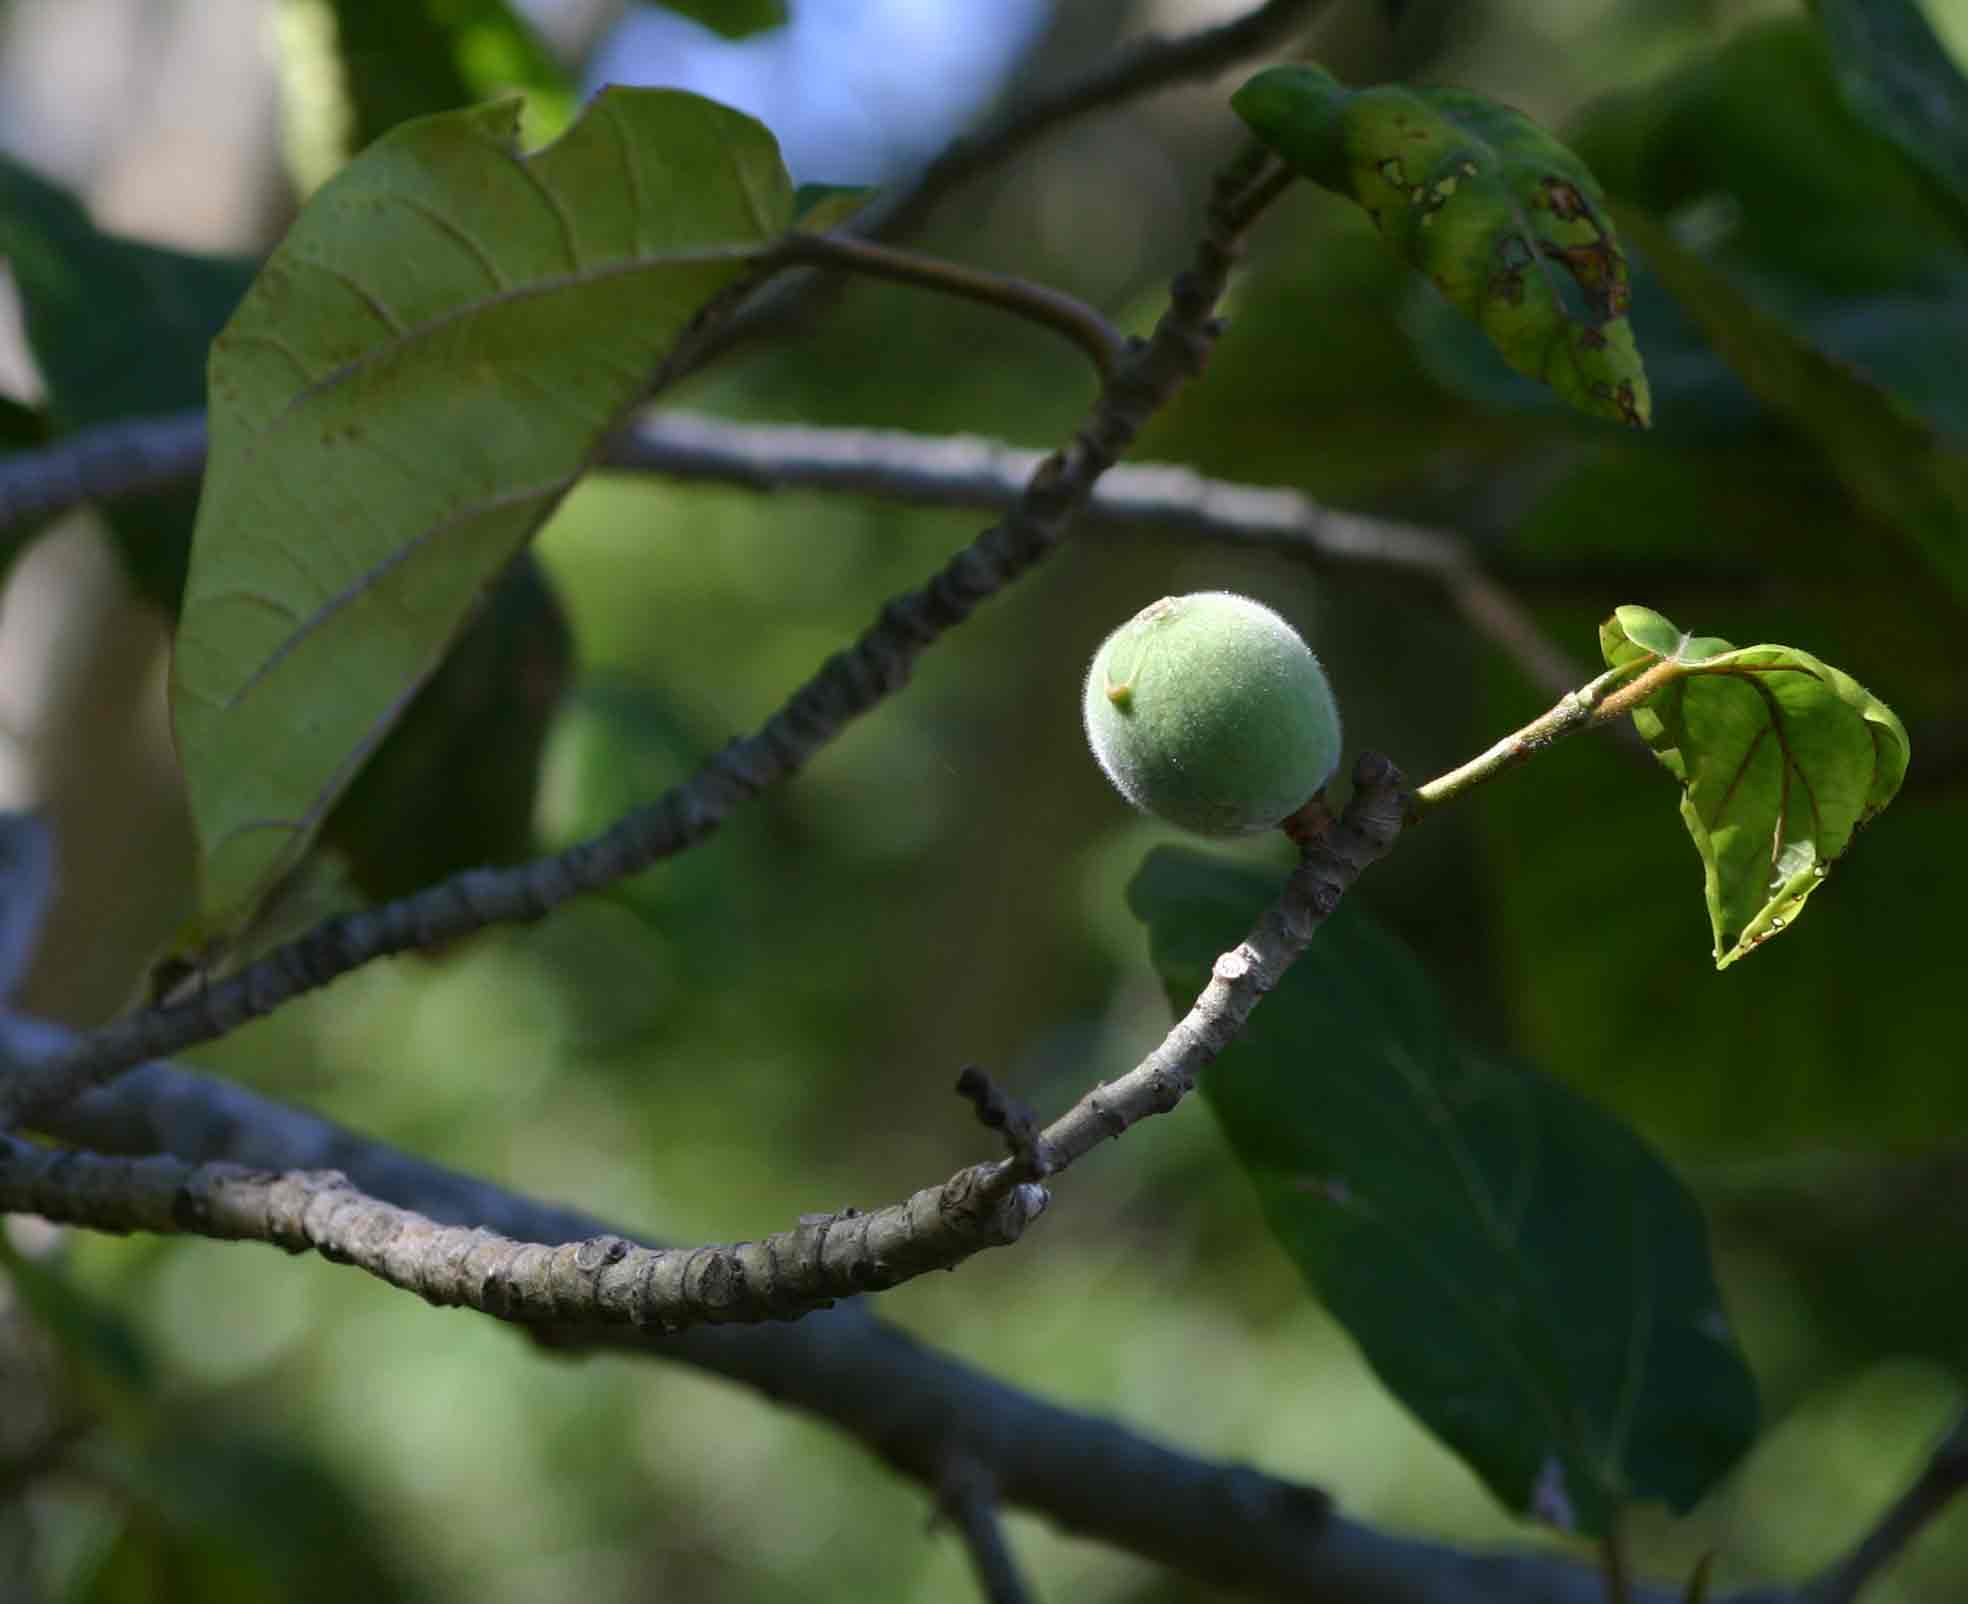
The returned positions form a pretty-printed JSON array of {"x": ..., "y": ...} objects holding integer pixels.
[
  {"x": 1507, "y": 223},
  {"x": 1899, "y": 79},
  {"x": 421, "y": 371},
  {"x": 1518, "y": 1268},
  {"x": 1780, "y": 757},
  {"x": 148, "y": 357}
]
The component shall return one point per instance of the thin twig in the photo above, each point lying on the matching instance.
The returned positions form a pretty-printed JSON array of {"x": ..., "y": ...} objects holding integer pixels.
[
  {"x": 914, "y": 469},
  {"x": 998, "y": 1110},
  {"x": 1141, "y": 68},
  {"x": 1329, "y": 864},
  {"x": 846, "y": 686},
  {"x": 1944, "y": 1476},
  {"x": 971, "y": 1503},
  {"x": 1050, "y": 308},
  {"x": 1612, "y": 694},
  {"x": 601, "y": 1280}
]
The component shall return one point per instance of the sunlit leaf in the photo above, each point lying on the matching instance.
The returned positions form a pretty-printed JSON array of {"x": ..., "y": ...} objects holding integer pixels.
[
  {"x": 1517, "y": 1266},
  {"x": 422, "y": 370},
  {"x": 1507, "y": 223},
  {"x": 1780, "y": 757},
  {"x": 149, "y": 357}
]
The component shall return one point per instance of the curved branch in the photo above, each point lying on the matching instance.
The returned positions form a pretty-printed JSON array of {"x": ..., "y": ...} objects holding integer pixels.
[
  {"x": 606, "y": 1280},
  {"x": 597, "y": 1280},
  {"x": 914, "y": 1407},
  {"x": 893, "y": 465},
  {"x": 847, "y": 685}
]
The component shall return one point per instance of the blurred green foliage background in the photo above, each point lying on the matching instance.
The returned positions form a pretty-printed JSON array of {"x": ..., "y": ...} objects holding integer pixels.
[{"x": 772, "y": 1023}]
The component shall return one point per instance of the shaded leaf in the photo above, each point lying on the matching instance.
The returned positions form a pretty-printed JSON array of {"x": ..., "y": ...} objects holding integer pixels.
[
  {"x": 453, "y": 786},
  {"x": 1899, "y": 78},
  {"x": 1507, "y": 223},
  {"x": 1755, "y": 145},
  {"x": 731, "y": 19},
  {"x": 95, "y": 1334},
  {"x": 1896, "y": 465},
  {"x": 1780, "y": 757},
  {"x": 118, "y": 329},
  {"x": 423, "y": 369},
  {"x": 400, "y": 59},
  {"x": 1517, "y": 1267}
]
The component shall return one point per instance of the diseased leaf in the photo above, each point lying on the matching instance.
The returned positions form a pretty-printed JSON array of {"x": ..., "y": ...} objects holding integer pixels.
[
  {"x": 422, "y": 370},
  {"x": 1517, "y": 1266},
  {"x": 147, "y": 358},
  {"x": 1897, "y": 465},
  {"x": 1898, "y": 77},
  {"x": 1507, "y": 223},
  {"x": 1780, "y": 757}
]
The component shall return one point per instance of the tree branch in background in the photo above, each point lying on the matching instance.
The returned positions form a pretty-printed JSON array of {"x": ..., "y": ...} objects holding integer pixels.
[
  {"x": 120, "y": 459},
  {"x": 607, "y": 1280},
  {"x": 910, "y": 1405},
  {"x": 847, "y": 685},
  {"x": 971, "y": 1503},
  {"x": 1945, "y": 1476}
]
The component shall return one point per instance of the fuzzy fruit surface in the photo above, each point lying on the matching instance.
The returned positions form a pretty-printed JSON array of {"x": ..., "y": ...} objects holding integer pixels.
[{"x": 1210, "y": 712}]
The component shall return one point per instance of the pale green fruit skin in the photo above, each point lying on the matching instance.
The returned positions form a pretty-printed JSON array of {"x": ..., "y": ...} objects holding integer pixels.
[{"x": 1208, "y": 711}]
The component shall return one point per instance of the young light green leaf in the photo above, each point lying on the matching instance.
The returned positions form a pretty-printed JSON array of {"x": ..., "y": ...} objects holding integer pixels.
[
  {"x": 1780, "y": 758},
  {"x": 1900, "y": 80},
  {"x": 421, "y": 371},
  {"x": 1515, "y": 1264},
  {"x": 1508, "y": 223}
]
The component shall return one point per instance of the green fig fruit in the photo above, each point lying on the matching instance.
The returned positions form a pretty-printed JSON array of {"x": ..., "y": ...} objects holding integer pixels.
[{"x": 1210, "y": 712}]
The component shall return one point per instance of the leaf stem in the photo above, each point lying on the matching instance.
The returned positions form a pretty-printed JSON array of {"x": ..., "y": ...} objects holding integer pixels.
[
  {"x": 1617, "y": 691},
  {"x": 1053, "y": 309},
  {"x": 1613, "y": 1564}
]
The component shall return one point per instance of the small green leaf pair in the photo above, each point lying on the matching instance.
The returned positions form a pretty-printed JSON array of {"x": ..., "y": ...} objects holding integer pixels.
[{"x": 1781, "y": 758}]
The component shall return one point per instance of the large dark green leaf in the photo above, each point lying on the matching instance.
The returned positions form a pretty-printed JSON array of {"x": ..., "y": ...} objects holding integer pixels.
[
  {"x": 454, "y": 785},
  {"x": 422, "y": 370},
  {"x": 1896, "y": 464},
  {"x": 734, "y": 19},
  {"x": 1780, "y": 757},
  {"x": 1899, "y": 77},
  {"x": 1508, "y": 224},
  {"x": 1756, "y": 147},
  {"x": 1522, "y": 1272},
  {"x": 407, "y": 58},
  {"x": 119, "y": 329}
]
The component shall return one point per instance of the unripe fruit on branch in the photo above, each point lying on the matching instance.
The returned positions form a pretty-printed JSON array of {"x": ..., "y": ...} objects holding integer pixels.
[{"x": 1209, "y": 711}]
